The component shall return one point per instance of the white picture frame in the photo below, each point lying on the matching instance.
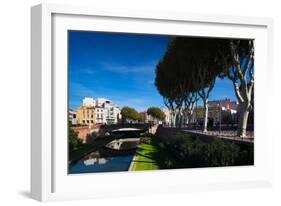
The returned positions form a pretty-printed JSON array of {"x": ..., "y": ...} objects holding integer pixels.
[{"x": 49, "y": 178}]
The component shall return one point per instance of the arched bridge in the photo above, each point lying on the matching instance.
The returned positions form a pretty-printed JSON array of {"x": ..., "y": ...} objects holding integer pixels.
[{"x": 110, "y": 135}]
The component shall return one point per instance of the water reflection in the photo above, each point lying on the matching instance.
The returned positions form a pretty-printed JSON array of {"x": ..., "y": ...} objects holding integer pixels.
[
  {"x": 94, "y": 158},
  {"x": 106, "y": 159},
  {"x": 123, "y": 144}
]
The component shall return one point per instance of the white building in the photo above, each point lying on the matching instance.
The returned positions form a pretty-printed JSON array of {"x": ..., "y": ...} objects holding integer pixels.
[
  {"x": 100, "y": 115},
  {"x": 102, "y": 102},
  {"x": 106, "y": 111},
  {"x": 72, "y": 117},
  {"x": 167, "y": 113},
  {"x": 116, "y": 114},
  {"x": 89, "y": 102}
]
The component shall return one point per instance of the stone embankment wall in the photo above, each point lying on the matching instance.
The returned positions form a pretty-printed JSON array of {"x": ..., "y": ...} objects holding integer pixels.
[
  {"x": 86, "y": 134},
  {"x": 166, "y": 133}
]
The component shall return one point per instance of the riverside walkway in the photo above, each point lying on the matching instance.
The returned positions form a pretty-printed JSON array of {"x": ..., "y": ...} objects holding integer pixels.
[{"x": 230, "y": 135}]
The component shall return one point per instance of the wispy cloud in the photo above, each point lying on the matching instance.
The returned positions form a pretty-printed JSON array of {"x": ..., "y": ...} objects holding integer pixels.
[
  {"x": 85, "y": 70},
  {"x": 138, "y": 103},
  {"x": 88, "y": 70},
  {"x": 79, "y": 90},
  {"x": 119, "y": 68}
]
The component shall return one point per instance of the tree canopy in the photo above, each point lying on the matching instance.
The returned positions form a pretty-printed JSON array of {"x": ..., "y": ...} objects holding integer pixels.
[
  {"x": 156, "y": 113},
  {"x": 188, "y": 67},
  {"x": 129, "y": 113},
  {"x": 238, "y": 62},
  {"x": 74, "y": 141},
  {"x": 191, "y": 65}
]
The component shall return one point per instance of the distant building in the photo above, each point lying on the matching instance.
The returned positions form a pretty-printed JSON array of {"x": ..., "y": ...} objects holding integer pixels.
[
  {"x": 150, "y": 119},
  {"x": 114, "y": 115},
  {"x": 86, "y": 115},
  {"x": 105, "y": 112},
  {"x": 89, "y": 102},
  {"x": 147, "y": 118},
  {"x": 72, "y": 117},
  {"x": 226, "y": 105},
  {"x": 168, "y": 117},
  {"x": 100, "y": 115}
]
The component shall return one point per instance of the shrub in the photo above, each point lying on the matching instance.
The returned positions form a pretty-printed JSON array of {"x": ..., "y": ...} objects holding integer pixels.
[
  {"x": 193, "y": 152},
  {"x": 73, "y": 141}
]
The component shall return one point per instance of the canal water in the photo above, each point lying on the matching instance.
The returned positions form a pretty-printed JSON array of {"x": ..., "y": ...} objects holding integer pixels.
[{"x": 105, "y": 160}]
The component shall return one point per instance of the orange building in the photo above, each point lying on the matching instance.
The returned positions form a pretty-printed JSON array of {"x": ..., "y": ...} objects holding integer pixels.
[{"x": 86, "y": 115}]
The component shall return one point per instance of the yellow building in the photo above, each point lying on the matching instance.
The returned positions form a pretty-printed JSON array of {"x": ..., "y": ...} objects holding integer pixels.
[{"x": 86, "y": 115}]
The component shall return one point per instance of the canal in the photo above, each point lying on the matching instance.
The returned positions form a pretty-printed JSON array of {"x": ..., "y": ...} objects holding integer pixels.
[
  {"x": 98, "y": 162},
  {"x": 113, "y": 157}
]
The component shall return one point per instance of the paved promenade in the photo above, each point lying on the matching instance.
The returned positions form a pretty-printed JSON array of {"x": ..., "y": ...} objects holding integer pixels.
[{"x": 232, "y": 135}]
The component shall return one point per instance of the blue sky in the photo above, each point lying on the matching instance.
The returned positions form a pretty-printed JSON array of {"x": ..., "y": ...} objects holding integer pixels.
[{"x": 120, "y": 67}]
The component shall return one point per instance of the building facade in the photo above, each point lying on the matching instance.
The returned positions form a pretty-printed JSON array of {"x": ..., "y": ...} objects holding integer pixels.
[
  {"x": 72, "y": 117},
  {"x": 86, "y": 115},
  {"x": 100, "y": 115},
  {"x": 224, "y": 111},
  {"x": 103, "y": 110},
  {"x": 168, "y": 117}
]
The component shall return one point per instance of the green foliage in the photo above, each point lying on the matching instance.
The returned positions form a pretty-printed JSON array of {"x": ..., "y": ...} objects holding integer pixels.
[
  {"x": 129, "y": 113},
  {"x": 147, "y": 134},
  {"x": 192, "y": 152},
  {"x": 140, "y": 117},
  {"x": 73, "y": 141},
  {"x": 186, "y": 151},
  {"x": 156, "y": 113},
  {"x": 234, "y": 52},
  {"x": 189, "y": 67},
  {"x": 145, "y": 138},
  {"x": 153, "y": 155}
]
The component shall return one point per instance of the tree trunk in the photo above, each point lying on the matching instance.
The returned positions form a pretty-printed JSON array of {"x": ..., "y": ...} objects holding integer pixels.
[
  {"x": 178, "y": 117},
  {"x": 242, "y": 122},
  {"x": 189, "y": 120},
  {"x": 181, "y": 121},
  {"x": 206, "y": 107},
  {"x": 173, "y": 119}
]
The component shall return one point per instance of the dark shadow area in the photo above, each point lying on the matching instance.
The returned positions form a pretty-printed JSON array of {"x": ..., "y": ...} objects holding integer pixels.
[
  {"x": 143, "y": 161},
  {"x": 174, "y": 150},
  {"x": 189, "y": 151}
]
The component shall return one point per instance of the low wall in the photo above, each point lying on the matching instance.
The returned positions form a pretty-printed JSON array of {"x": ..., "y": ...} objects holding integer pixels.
[
  {"x": 167, "y": 133},
  {"x": 86, "y": 133},
  {"x": 210, "y": 153}
]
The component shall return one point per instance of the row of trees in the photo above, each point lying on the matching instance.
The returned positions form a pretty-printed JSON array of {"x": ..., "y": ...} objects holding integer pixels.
[
  {"x": 130, "y": 114},
  {"x": 156, "y": 113},
  {"x": 189, "y": 69}
]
